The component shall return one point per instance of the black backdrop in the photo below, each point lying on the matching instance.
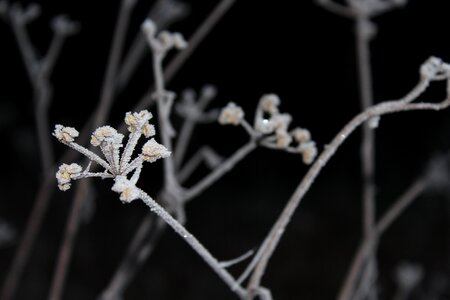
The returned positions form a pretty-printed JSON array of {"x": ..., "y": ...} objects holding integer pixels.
[{"x": 294, "y": 49}]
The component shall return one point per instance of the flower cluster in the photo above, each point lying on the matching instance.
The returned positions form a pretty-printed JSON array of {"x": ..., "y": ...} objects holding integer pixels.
[
  {"x": 65, "y": 175},
  {"x": 65, "y": 134},
  {"x": 271, "y": 127},
  {"x": 165, "y": 40},
  {"x": 117, "y": 164},
  {"x": 231, "y": 114}
]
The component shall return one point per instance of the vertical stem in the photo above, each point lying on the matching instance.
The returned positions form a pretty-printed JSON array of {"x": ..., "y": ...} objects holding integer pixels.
[
  {"x": 363, "y": 251},
  {"x": 368, "y": 139},
  {"x": 170, "y": 180}
]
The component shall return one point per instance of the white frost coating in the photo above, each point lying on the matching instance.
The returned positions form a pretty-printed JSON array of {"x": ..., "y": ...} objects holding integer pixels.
[
  {"x": 65, "y": 134},
  {"x": 152, "y": 151},
  {"x": 231, "y": 114},
  {"x": 127, "y": 190},
  {"x": 116, "y": 165},
  {"x": 65, "y": 175}
]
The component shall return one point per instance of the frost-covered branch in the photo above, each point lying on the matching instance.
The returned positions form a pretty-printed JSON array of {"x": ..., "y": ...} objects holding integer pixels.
[{"x": 432, "y": 69}]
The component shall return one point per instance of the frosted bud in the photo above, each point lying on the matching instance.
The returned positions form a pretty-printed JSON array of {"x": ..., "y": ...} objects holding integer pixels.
[
  {"x": 166, "y": 39},
  {"x": 128, "y": 191},
  {"x": 269, "y": 103},
  {"x": 27, "y": 14},
  {"x": 231, "y": 114},
  {"x": 105, "y": 134},
  {"x": 308, "y": 151},
  {"x": 64, "y": 26},
  {"x": 149, "y": 28},
  {"x": 408, "y": 275},
  {"x": 139, "y": 121},
  {"x": 431, "y": 67},
  {"x": 152, "y": 151},
  {"x": 65, "y": 134},
  {"x": 283, "y": 139},
  {"x": 65, "y": 174},
  {"x": 208, "y": 91},
  {"x": 301, "y": 135},
  {"x": 264, "y": 126},
  {"x": 178, "y": 41},
  {"x": 281, "y": 121}
]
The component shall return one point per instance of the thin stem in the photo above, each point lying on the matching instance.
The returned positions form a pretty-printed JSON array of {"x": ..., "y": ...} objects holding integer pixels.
[
  {"x": 199, "y": 35},
  {"x": 412, "y": 193},
  {"x": 170, "y": 180},
  {"x": 186, "y": 132},
  {"x": 192, "y": 164},
  {"x": 284, "y": 218},
  {"x": 25, "y": 45},
  {"x": 336, "y": 8},
  {"x": 221, "y": 170},
  {"x": 53, "y": 52},
  {"x": 107, "y": 94},
  {"x": 193, "y": 242},
  {"x": 367, "y": 150}
]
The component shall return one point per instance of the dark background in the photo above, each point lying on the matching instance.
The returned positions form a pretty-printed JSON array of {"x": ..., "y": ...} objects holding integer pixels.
[{"x": 293, "y": 48}]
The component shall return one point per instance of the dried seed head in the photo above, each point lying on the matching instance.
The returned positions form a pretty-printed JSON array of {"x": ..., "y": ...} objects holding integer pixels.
[
  {"x": 264, "y": 126},
  {"x": 128, "y": 191},
  {"x": 152, "y": 151},
  {"x": 308, "y": 151},
  {"x": 65, "y": 134},
  {"x": 149, "y": 28},
  {"x": 65, "y": 174},
  {"x": 269, "y": 103},
  {"x": 139, "y": 122},
  {"x": 178, "y": 41},
  {"x": 301, "y": 135},
  {"x": 231, "y": 114},
  {"x": 281, "y": 121},
  {"x": 106, "y": 134},
  {"x": 283, "y": 139}
]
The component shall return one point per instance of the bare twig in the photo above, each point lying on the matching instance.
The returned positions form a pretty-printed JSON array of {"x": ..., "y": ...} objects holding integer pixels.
[
  {"x": 277, "y": 230},
  {"x": 199, "y": 35},
  {"x": 359, "y": 259}
]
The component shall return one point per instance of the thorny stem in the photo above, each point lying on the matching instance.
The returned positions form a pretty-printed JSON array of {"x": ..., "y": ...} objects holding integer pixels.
[
  {"x": 359, "y": 259},
  {"x": 193, "y": 242},
  {"x": 367, "y": 153},
  {"x": 106, "y": 99},
  {"x": 278, "y": 228}
]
